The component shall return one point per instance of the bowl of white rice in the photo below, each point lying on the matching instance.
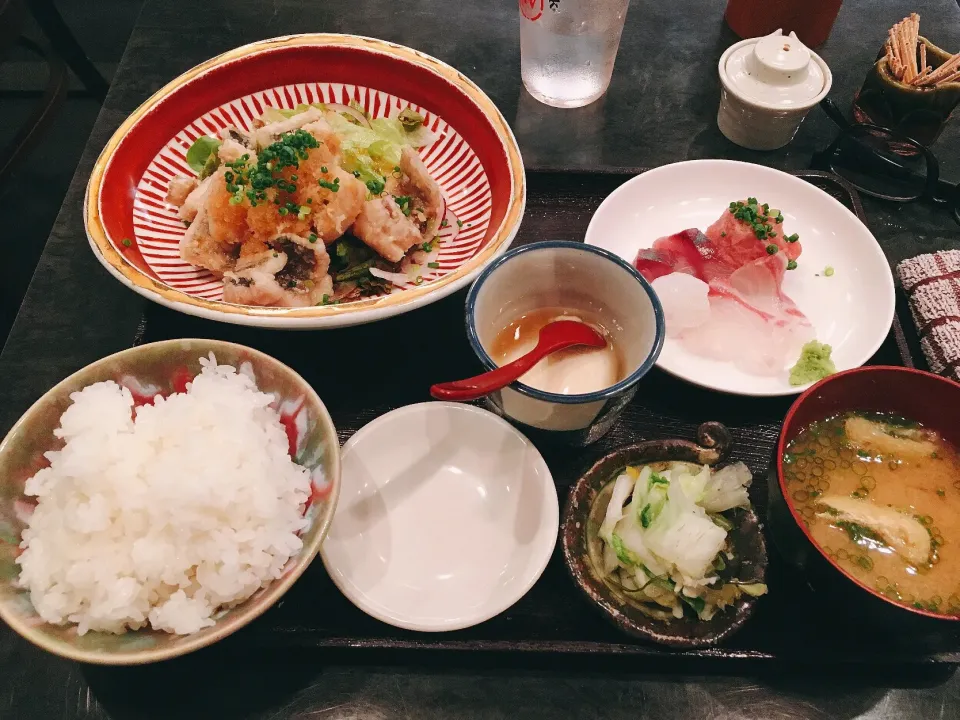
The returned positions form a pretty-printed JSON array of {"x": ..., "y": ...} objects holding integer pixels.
[{"x": 160, "y": 499}]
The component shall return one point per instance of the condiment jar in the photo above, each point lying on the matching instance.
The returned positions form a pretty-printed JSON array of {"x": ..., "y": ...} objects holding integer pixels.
[{"x": 768, "y": 86}]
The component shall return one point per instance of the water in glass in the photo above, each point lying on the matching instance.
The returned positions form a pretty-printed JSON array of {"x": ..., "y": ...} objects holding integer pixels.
[{"x": 568, "y": 47}]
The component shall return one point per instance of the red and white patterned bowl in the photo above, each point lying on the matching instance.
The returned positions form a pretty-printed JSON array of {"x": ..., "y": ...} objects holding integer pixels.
[{"x": 135, "y": 233}]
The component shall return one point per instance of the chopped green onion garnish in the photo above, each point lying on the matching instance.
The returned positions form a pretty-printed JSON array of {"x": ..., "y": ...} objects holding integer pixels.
[
  {"x": 757, "y": 217},
  {"x": 404, "y": 202},
  {"x": 433, "y": 265},
  {"x": 126, "y": 242}
]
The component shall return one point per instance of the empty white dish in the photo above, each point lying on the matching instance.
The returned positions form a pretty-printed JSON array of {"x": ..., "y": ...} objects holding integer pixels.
[{"x": 447, "y": 516}]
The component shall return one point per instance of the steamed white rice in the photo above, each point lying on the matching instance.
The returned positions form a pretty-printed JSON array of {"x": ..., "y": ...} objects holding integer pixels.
[{"x": 166, "y": 518}]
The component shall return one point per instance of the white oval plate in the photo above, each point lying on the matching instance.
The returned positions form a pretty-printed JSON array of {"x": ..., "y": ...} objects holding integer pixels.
[
  {"x": 447, "y": 516},
  {"x": 852, "y": 311}
]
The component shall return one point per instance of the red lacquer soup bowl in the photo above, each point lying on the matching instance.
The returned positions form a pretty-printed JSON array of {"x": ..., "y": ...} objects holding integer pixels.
[
  {"x": 929, "y": 399},
  {"x": 136, "y": 234}
]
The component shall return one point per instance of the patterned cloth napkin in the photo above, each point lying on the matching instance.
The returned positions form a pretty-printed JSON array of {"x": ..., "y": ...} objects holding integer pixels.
[{"x": 932, "y": 285}]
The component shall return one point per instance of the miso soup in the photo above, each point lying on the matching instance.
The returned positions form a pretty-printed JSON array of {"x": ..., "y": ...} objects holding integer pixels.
[{"x": 880, "y": 495}]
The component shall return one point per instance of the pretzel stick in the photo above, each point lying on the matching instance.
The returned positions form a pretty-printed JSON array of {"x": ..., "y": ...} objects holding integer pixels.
[
  {"x": 894, "y": 50},
  {"x": 904, "y": 52},
  {"x": 896, "y": 68},
  {"x": 945, "y": 70},
  {"x": 910, "y": 51},
  {"x": 926, "y": 69},
  {"x": 921, "y": 79},
  {"x": 914, "y": 39},
  {"x": 900, "y": 51},
  {"x": 897, "y": 49}
]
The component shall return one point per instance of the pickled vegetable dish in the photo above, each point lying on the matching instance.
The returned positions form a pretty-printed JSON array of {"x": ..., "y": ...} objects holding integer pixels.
[{"x": 665, "y": 539}]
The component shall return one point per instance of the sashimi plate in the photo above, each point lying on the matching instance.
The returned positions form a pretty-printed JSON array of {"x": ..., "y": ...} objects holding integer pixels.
[
  {"x": 850, "y": 305},
  {"x": 136, "y": 234}
]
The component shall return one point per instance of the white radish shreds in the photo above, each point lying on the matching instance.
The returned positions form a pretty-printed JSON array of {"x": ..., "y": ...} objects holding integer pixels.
[{"x": 167, "y": 518}]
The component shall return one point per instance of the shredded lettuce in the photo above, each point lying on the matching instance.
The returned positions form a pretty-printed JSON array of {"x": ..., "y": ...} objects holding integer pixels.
[
  {"x": 271, "y": 114},
  {"x": 367, "y": 153},
  {"x": 372, "y": 153},
  {"x": 354, "y": 105},
  {"x": 199, "y": 153}
]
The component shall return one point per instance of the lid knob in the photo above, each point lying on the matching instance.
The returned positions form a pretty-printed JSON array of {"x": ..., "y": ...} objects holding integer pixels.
[{"x": 779, "y": 55}]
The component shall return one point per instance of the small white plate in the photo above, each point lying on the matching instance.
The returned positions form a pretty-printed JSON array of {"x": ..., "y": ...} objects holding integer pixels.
[
  {"x": 852, "y": 310},
  {"x": 447, "y": 516}
]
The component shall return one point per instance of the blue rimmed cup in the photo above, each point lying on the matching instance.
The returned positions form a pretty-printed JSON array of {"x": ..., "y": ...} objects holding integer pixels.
[{"x": 580, "y": 278}]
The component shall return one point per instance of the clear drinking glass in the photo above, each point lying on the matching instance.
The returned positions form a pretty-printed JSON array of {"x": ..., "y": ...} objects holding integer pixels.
[{"x": 568, "y": 47}]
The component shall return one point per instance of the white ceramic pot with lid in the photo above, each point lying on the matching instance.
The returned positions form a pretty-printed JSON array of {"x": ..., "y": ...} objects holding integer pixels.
[{"x": 768, "y": 86}]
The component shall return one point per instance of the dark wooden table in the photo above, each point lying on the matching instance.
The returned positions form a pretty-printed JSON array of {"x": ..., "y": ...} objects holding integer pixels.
[{"x": 660, "y": 108}]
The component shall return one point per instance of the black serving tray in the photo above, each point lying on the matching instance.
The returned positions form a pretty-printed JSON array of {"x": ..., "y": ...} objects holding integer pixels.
[{"x": 365, "y": 371}]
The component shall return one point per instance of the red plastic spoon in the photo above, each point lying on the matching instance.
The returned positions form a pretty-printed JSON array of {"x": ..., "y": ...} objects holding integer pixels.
[{"x": 553, "y": 336}]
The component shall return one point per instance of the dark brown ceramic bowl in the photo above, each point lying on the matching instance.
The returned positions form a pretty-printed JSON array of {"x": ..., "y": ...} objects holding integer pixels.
[
  {"x": 929, "y": 399},
  {"x": 584, "y": 513}
]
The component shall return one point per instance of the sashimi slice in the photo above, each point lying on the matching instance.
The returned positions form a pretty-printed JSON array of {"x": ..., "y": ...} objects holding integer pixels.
[
  {"x": 759, "y": 285},
  {"x": 737, "y": 243},
  {"x": 736, "y": 334},
  {"x": 684, "y": 299},
  {"x": 756, "y": 284},
  {"x": 751, "y": 322},
  {"x": 688, "y": 251}
]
